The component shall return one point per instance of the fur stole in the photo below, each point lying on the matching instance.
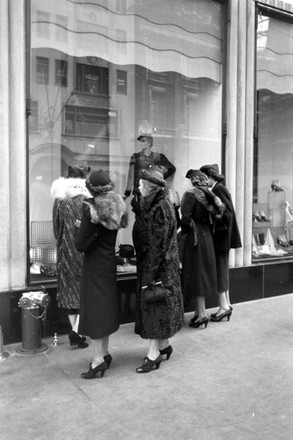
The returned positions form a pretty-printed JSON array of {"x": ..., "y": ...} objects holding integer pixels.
[
  {"x": 67, "y": 188},
  {"x": 108, "y": 209}
]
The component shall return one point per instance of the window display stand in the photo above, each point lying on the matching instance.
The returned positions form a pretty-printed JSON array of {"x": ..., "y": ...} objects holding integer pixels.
[{"x": 270, "y": 234}]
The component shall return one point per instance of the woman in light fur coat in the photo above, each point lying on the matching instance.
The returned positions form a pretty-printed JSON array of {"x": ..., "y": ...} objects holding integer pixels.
[
  {"x": 68, "y": 195},
  {"x": 103, "y": 215}
]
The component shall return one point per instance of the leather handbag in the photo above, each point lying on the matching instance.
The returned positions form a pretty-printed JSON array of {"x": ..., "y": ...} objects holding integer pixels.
[
  {"x": 155, "y": 293},
  {"x": 126, "y": 251}
]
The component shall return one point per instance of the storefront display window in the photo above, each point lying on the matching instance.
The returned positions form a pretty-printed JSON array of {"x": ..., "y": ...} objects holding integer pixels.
[
  {"x": 273, "y": 158},
  {"x": 102, "y": 73}
]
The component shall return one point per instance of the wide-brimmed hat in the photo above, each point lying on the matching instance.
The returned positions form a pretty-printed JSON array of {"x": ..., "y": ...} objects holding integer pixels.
[{"x": 154, "y": 175}]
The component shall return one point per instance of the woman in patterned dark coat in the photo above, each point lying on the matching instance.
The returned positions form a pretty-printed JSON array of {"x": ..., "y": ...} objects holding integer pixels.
[
  {"x": 68, "y": 195},
  {"x": 155, "y": 241}
]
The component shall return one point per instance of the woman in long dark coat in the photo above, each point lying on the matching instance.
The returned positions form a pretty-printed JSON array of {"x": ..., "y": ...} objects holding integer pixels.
[
  {"x": 68, "y": 195},
  {"x": 155, "y": 241},
  {"x": 226, "y": 236},
  {"x": 103, "y": 215},
  {"x": 199, "y": 271}
]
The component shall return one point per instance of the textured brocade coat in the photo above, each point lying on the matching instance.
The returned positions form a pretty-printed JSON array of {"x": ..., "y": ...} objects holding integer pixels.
[
  {"x": 68, "y": 195},
  {"x": 155, "y": 241}
]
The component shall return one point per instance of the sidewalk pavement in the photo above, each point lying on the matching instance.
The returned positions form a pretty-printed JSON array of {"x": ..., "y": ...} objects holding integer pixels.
[{"x": 232, "y": 380}]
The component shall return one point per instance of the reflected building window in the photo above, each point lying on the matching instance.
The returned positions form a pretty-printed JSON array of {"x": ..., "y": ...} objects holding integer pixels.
[
  {"x": 61, "y": 73},
  {"x": 43, "y": 25},
  {"x": 92, "y": 79},
  {"x": 42, "y": 70},
  {"x": 61, "y": 27},
  {"x": 121, "y": 82}
]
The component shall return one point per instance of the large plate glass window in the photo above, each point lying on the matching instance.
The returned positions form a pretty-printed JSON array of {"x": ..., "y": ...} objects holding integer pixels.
[
  {"x": 104, "y": 72},
  {"x": 273, "y": 158}
]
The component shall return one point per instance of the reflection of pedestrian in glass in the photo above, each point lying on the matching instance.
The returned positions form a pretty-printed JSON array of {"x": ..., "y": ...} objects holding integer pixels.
[
  {"x": 141, "y": 161},
  {"x": 226, "y": 236},
  {"x": 68, "y": 194},
  {"x": 155, "y": 241}
]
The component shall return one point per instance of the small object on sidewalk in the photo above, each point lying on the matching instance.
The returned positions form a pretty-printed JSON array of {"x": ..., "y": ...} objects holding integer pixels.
[
  {"x": 55, "y": 341},
  {"x": 3, "y": 354},
  {"x": 31, "y": 304}
]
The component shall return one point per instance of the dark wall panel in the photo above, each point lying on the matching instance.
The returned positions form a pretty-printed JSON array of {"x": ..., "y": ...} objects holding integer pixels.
[
  {"x": 246, "y": 284},
  {"x": 278, "y": 279}
]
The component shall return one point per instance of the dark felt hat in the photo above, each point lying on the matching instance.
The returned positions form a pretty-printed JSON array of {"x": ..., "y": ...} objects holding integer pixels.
[
  {"x": 154, "y": 175},
  {"x": 189, "y": 173},
  {"x": 78, "y": 172},
  {"x": 192, "y": 174},
  {"x": 98, "y": 178},
  {"x": 207, "y": 168}
]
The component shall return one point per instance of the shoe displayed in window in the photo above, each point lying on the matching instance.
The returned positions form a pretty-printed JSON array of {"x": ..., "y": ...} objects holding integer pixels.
[{"x": 276, "y": 186}]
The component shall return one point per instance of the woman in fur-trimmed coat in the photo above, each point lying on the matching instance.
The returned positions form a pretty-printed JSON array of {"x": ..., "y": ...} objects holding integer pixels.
[
  {"x": 68, "y": 195},
  {"x": 103, "y": 215},
  {"x": 155, "y": 241}
]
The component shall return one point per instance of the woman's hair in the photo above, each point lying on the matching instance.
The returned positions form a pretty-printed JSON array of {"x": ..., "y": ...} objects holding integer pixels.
[{"x": 215, "y": 175}]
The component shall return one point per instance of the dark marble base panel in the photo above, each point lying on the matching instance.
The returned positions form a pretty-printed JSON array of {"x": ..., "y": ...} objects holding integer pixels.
[{"x": 246, "y": 284}]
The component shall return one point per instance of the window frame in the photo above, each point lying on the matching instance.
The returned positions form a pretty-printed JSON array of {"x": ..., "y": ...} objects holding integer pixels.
[
  {"x": 225, "y": 20},
  {"x": 284, "y": 16}
]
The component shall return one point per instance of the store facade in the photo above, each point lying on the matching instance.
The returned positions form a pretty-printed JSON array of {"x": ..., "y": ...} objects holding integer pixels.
[{"x": 210, "y": 80}]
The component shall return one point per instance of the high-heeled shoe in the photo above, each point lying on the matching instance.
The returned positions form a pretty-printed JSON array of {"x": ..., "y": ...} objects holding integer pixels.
[
  {"x": 167, "y": 351},
  {"x": 219, "y": 318},
  {"x": 194, "y": 318},
  {"x": 148, "y": 365},
  {"x": 108, "y": 359},
  {"x": 203, "y": 321},
  {"x": 92, "y": 373},
  {"x": 215, "y": 314},
  {"x": 263, "y": 216},
  {"x": 76, "y": 339}
]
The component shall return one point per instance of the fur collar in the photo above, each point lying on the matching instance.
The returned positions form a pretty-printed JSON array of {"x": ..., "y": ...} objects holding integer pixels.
[
  {"x": 108, "y": 209},
  {"x": 67, "y": 188}
]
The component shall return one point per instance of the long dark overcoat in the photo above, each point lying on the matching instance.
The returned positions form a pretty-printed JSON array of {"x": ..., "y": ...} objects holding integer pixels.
[
  {"x": 99, "y": 306},
  {"x": 155, "y": 241},
  {"x": 226, "y": 236},
  {"x": 199, "y": 273},
  {"x": 226, "y": 233}
]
